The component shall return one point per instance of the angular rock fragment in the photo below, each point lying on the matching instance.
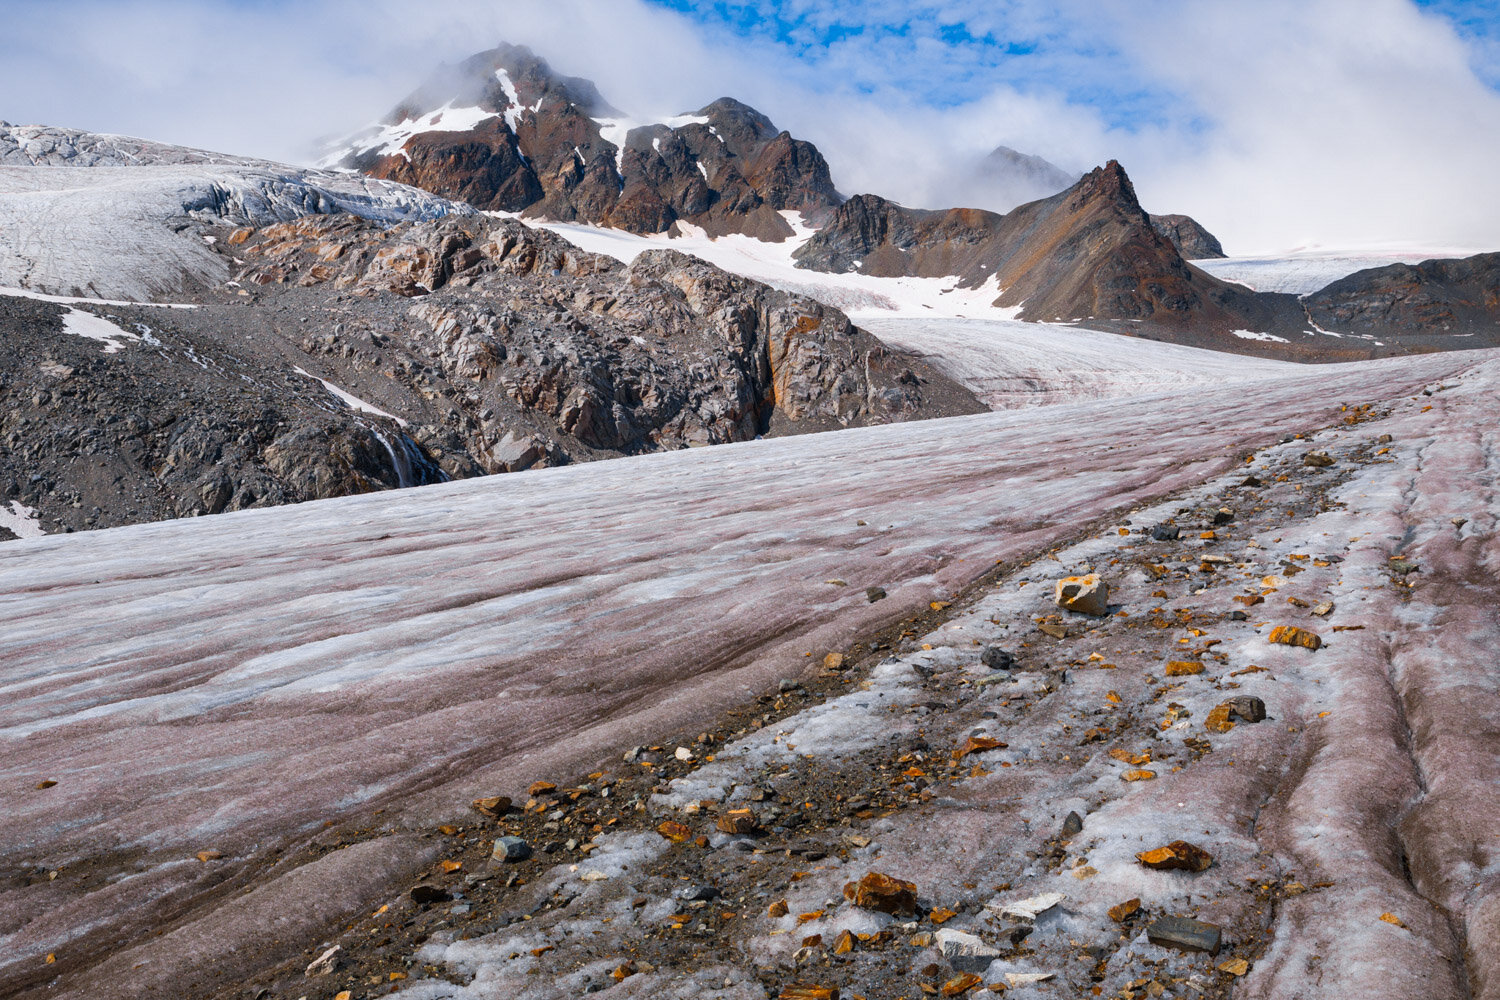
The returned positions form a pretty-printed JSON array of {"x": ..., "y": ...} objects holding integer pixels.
[
  {"x": 1248, "y": 708},
  {"x": 960, "y": 985},
  {"x": 873, "y": 594},
  {"x": 1234, "y": 967},
  {"x": 1179, "y": 855},
  {"x": 1088, "y": 595},
  {"x": 1166, "y": 533},
  {"x": 1184, "y": 668},
  {"x": 493, "y": 806},
  {"x": 1122, "y": 912},
  {"x": 510, "y": 849},
  {"x": 1185, "y": 934},
  {"x": 1138, "y": 774},
  {"x": 997, "y": 659},
  {"x": 1072, "y": 825},
  {"x": 738, "y": 821},
  {"x": 1317, "y": 459},
  {"x": 1290, "y": 635},
  {"x": 325, "y": 964},
  {"x": 1218, "y": 719},
  {"x": 676, "y": 832},
  {"x": 1027, "y": 910},
  {"x": 539, "y": 788},
  {"x": 804, "y": 992},
  {"x": 978, "y": 744},
  {"x": 425, "y": 894},
  {"x": 883, "y": 893},
  {"x": 965, "y": 952}
]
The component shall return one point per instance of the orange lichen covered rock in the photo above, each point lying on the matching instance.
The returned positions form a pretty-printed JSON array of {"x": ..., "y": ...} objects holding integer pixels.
[
  {"x": 1088, "y": 595},
  {"x": 1290, "y": 635},
  {"x": 1179, "y": 855}
]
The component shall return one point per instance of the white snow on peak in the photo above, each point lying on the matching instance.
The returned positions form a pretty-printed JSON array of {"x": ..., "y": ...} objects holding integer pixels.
[
  {"x": 85, "y": 324},
  {"x": 351, "y": 400},
  {"x": 22, "y": 521},
  {"x": 388, "y": 140},
  {"x": 513, "y": 112},
  {"x": 616, "y": 131},
  {"x": 861, "y": 296}
]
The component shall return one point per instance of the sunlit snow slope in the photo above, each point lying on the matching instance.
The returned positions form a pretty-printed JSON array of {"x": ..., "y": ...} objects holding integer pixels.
[{"x": 234, "y": 682}]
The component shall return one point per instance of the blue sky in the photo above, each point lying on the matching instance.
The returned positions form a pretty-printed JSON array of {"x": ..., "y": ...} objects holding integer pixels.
[
  {"x": 1277, "y": 123},
  {"x": 944, "y": 53}
]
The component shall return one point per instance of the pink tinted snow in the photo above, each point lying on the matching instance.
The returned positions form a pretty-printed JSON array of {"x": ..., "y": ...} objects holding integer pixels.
[{"x": 233, "y": 682}]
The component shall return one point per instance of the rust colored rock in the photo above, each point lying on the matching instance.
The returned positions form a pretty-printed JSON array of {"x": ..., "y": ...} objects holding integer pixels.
[
  {"x": 1218, "y": 719},
  {"x": 960, "y": 985},
  {"x": 1088, "y": 595},
  {"x": 738, "y": 821},
  {"x": 492, "y": 806},
  {"x": 803, "y": 992},
  {"x": 978, "y": 744},
  {"x": 539, "y": 788},
  {"x": 1124, "y": 911},
  {"x": 677, "y": 833},
  {"x": 1184, "y": 668},
  {"x": 1290, "y": 635},
  {"x": 883, "y": 893},
  {"x": 1138, "y": 775},
  {"x": 778, "y": 909},
  {"x": 1179, "y": 855}
]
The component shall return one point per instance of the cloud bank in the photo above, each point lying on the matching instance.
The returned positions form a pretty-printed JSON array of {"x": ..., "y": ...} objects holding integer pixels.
[{"x": 1284, "y": 123}]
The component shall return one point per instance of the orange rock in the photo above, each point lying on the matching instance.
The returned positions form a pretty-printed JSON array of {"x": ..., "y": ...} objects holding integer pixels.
[
  {"x": 843, "y": 944},
  {"x": 803, "y": 992},
  {"x": 1184, "y": 668},
  {"x": 941, "y": 916},
  {"x": 1135, "y": 759},
  {"x": 209, "y": 855},
  {"x": 541, "y": 788},
  {"x": 977, "y": 744},
  {"x": 239, "y": 236},
  {"x": 1218, "y": 719},
  {"x": 961, "y": 984},
  {"x": 677, "y": 833},
  {"x": 495, "y": 805},
  {"x": 1179, "y": 855},
  {"x": 1249, "y": 600},
  {"x": 883, "y": 893},
  {"x": 833, "y": 661},
  {"x": 1138, "y": 775},
  {"x": 1125, "y": 910},
  {"x": 1290, "y": 635},
  {"x": 739, "y": 821}
]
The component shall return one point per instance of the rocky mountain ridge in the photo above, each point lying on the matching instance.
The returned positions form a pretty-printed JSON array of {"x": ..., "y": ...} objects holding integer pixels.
[
  {"x": 503, "y": 132},
  {"x": 346, "y": 356}
]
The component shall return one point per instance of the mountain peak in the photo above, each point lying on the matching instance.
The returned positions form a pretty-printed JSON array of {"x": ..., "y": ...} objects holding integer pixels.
[{"x": 503, "y": 131}]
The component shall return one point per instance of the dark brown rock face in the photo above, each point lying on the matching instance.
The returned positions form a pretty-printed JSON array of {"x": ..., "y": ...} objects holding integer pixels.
[
  {"x": 481, "y": 345},
  {"x": 1436, "y": 298},
  {"x": 1191, "y": 239},
  {"x": 550, "y": 146},
  {"x": 1089, "y": 253}
]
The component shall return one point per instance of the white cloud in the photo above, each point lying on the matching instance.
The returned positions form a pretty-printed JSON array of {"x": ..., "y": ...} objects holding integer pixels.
[{"x": 1284, "y": 122}]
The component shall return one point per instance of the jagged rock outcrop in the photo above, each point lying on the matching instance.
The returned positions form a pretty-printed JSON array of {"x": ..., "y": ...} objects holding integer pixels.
[
  {"x": 1189, "y": 237},
  {"x": 1089, "y": 253},
  {"x": 1410, "y": 302},
  {"x": 503, "y": 132},
  {"x": 450, "y": 348}
]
